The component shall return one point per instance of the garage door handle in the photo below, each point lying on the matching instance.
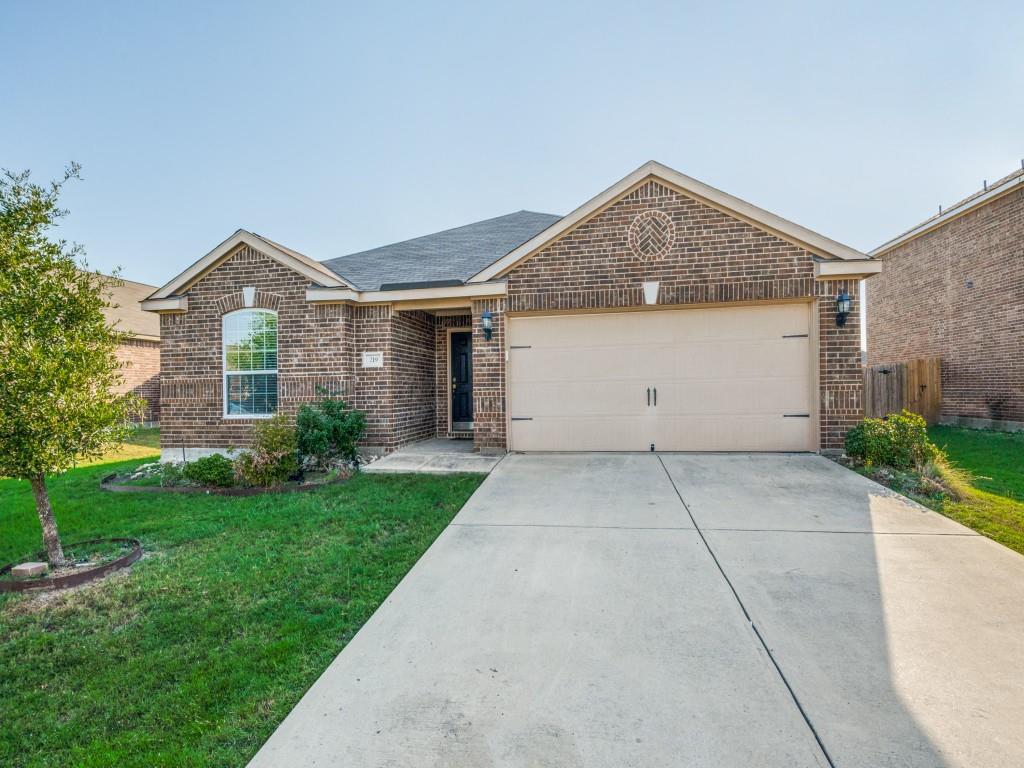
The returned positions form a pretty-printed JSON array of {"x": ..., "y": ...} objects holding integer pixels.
[
  {"x": 648, "y": 396},
  {"x": 655, "y": 396}
]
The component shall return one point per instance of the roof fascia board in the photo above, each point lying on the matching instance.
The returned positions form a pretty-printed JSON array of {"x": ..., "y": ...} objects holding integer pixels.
[
  {"x": 301, "y": 264},
  {"x": 860, "y": 269},
  {"x": 171, "y": 304},
  {"x": 734, "y": 206},
  {"x": 953, "y": 213},
  {"x": 478, "y": 290}
]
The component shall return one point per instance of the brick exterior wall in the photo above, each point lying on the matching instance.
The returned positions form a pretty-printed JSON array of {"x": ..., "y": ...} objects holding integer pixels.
[
  {"x": 140, "y": 371},
  {"x": 957, "y": 293},
  {"x": 489, "y": 378},
  {"x": 371, "y": 332},
  {"x": 319, "y": 346},
  {"x": 415, "y": 377},
  {"x": 714, "y": 259},
  {"x": 840, "y": 373},
  {"x": 310, "y": 350}
]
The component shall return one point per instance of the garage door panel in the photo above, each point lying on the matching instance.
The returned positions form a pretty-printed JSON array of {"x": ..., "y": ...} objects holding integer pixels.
[
  {"x": 731, "y": 433},
  {"x": 738, "y": 358},
  {"x": 736, "y": 378},
  {"x": 582, "y": 433},
  {"x": 573, "y": 331},
  {"x": 540, "y": 364},
  {"x": 584, "y": 398},
  {"x": 716, "y": 397}
]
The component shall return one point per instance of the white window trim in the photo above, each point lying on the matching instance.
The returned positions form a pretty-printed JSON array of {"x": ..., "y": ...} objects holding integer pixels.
[{"x": 224, "y": 369}]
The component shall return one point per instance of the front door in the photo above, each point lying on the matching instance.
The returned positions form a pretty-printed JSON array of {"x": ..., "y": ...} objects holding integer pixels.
[{"x": 462, "y": 380}]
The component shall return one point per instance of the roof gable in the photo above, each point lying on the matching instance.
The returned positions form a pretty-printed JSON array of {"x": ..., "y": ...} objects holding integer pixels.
[
  {"x": 314, "y": 270},
  {"x": 811, "y": 241}
]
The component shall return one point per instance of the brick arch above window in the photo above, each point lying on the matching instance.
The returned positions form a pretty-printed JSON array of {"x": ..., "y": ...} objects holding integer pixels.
[{"x": 231, "y": 302}]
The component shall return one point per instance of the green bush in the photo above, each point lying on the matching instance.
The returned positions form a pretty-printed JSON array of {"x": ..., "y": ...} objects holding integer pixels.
[
  {"x": 213, "y": 470},
  {"x": 273, "y": 457},
  {"x": 329, "y": 429},
  {"x": 171, "y": 474},
  {"x": 900, "y": 441}
]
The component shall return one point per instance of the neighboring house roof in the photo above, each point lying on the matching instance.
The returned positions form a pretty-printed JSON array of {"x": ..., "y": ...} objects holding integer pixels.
[
  {"x": 818, "y": 244},
  {"x": 990, "y": 192},
  {"x": 452, "y": 256},
  {"x": 128, "y": 315}
]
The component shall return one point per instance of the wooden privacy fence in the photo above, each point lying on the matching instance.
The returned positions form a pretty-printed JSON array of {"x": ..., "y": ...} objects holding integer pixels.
[{"x": 915, "y": 385}]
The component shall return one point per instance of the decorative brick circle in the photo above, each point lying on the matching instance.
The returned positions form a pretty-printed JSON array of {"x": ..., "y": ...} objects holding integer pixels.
[{"x": 651, "y": 235}]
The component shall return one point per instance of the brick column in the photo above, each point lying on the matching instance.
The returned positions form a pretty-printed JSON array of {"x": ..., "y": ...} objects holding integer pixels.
[
  {"x": 840, "y": 371},
  {"x": 489, "y": 379}
]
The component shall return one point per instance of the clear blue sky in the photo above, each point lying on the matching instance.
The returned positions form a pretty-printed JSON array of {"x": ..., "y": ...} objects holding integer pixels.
[{"x": 333, "y": 129}]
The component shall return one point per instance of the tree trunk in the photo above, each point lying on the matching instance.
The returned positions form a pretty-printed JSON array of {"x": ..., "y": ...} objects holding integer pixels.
[{"x": 54, "y": 551}]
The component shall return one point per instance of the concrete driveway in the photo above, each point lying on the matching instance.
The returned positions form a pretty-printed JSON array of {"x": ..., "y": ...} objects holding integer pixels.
[{"x": 681, "y": 610}]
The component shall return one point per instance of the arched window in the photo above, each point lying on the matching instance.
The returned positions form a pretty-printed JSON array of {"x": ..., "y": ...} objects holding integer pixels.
[{"x": 250, "y": 363}]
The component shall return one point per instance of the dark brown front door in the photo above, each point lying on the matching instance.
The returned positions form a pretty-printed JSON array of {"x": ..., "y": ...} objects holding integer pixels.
[{"x": 462, "y": 379}]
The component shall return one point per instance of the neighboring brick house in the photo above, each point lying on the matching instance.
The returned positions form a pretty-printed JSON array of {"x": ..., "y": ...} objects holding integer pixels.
[
  {"x": 663, "y": 314},
  {"x": 140, "y": 355},
  {"x": 953, "y": 288}
]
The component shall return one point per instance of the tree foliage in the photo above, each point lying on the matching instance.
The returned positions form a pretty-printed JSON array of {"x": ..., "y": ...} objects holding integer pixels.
[{"x": 58, "y": 369}]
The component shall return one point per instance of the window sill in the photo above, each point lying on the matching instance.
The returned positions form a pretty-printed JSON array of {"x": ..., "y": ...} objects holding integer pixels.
[{"x": 247, "y": 416}]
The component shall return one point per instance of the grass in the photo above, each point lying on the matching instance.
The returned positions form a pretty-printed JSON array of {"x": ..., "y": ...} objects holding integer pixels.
[
  {"x": 995, "y": 460},
  {"x": 196, "y": 654},
  {"x": 144, "y": 443}
]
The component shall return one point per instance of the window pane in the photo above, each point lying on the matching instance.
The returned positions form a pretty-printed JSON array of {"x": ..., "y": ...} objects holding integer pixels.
[
  {"x": 250, "y": 340},
  {"x": 250, "y": 345},
  {"x": 252, "y": 393}
]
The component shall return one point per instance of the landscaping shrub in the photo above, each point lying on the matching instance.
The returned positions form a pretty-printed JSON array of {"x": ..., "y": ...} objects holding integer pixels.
[
  {"x": 329, "y": 429},
  {"x": 273, "y": 456},
  {"x": 214, "y": 470},
  {"x": 900, "y": 441},
  {"x": 171, "y": 473}
]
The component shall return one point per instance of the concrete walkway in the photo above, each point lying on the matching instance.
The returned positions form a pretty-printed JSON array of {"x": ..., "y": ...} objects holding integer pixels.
[
  {"x": 681, "y": 610},
  {"x": 438, "y": 456}
]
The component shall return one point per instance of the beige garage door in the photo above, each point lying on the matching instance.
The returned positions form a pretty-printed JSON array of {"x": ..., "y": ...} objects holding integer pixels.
[{"x": 722, "y": 379}]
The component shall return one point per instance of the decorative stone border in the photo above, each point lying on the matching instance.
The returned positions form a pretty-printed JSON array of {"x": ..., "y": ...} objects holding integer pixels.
[
  {"x": 106, "y": 485},
  {"x": 74, "y": 579}
]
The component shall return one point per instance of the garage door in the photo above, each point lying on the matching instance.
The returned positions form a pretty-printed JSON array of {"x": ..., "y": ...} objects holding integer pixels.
[{"x": 721, "y": 379}]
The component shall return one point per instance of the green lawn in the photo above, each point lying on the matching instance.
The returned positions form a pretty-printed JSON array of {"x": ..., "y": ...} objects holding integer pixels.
[
  {"x": 996, "y": 460},
  {"x": 195, "y": 655}
]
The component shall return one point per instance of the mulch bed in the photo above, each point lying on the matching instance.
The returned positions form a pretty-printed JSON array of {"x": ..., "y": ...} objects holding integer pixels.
[
  {"x": 84, "y": 576},
  {"x": 107, "y": 484}
]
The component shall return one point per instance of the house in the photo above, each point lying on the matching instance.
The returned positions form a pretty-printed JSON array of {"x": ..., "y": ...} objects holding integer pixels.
[
  {"x": 661, "y": 314},
  {"x": 140, "y": 353},
  {"x": 953, "y": 288}
]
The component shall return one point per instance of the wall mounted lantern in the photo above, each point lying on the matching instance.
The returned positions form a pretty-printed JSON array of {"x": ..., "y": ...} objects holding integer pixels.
[
  {"x": 842, "y": 308},
  {"x": 487, "y": 323}
]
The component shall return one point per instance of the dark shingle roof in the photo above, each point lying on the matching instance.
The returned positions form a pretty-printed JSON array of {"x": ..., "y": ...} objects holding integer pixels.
[{"x": 455, "y": 254}]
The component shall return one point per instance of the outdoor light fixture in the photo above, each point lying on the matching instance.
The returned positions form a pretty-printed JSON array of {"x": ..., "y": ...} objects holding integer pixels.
[
  {"x": 487, "y": 323},
  {"x": 842, "y": 308}
]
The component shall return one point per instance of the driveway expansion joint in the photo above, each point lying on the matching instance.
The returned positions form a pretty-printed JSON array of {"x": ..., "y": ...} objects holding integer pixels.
[{"x": 753, "y": 625}]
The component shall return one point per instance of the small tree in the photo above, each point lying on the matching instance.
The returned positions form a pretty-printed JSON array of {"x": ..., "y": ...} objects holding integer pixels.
[{"x": 58, "y": 368}]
